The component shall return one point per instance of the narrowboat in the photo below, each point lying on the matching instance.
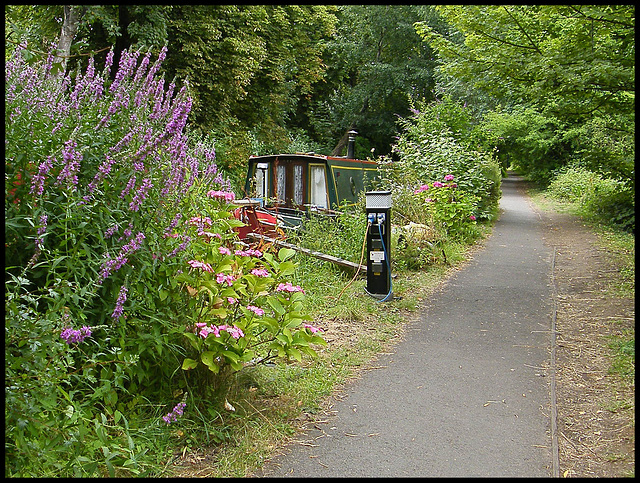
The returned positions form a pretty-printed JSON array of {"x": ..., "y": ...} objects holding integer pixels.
[{"x": 281, "y": 189}]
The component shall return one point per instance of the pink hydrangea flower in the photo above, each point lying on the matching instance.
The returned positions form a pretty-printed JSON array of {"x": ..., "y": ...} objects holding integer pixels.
[
  {"x": 255, "y": 310},
  {"x": 313, "y": 329},
  {"x": 288, "y": 287},
  {"x": 260, "y": 272},
  {"x": 449, "y": 177}
]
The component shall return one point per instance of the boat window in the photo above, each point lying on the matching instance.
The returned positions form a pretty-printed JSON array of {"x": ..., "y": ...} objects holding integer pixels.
[
  {"x": 261, "y": 180},
  {"x": 280, "y": 181},
  {"x": 318, "y": 186},
  {"x": 297, "y": 184}
]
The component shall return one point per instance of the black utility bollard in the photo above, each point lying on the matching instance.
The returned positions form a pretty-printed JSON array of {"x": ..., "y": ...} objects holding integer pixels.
[{"x": 378, "y": 207}]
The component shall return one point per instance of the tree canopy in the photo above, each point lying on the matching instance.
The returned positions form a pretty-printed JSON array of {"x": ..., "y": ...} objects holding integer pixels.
[
  {"x": 554, "y": 83},
  {"x": 571, "y": 65}
]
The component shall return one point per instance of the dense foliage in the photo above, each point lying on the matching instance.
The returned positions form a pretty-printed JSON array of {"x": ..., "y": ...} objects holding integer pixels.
[
  {"x": 119, "y": 250},
  {"x": 564, "y": 76}
]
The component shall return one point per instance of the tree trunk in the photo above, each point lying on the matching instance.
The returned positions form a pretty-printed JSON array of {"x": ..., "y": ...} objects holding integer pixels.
[{"x": 72, "y": 16}]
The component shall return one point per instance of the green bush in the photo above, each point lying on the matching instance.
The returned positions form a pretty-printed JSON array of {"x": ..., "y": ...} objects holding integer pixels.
[
  {"x": 438, "y": 155},
  {"x": 599, "y": 198},
  {"x": 109, "y": 203}
]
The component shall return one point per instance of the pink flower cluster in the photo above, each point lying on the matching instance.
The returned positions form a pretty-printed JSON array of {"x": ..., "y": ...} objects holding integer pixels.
[
  {"x": 248, "y": 253},
  {"x": 172, "y": 417},
  {"x": 227, "y": 196},
  {"x": 436, "y": 184},
  {"x": 255, "y": 310},
  {"x": 200, "y": 221},
  {"x": 204, "y": 266},
  {"x": 260, "y": 272},
  {"x": 228, "y": 279},
  {"x": 313, "y": 329},
  {"x": 205, "y": 330},
  {"x": 288, "y": 287}
]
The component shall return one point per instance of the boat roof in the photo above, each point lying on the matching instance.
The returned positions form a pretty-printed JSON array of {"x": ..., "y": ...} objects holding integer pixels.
[{"x": 308, "y": 157}]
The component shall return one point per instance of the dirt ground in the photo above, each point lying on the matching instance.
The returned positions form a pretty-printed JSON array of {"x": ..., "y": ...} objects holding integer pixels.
[{"x": 596, "y": 412}]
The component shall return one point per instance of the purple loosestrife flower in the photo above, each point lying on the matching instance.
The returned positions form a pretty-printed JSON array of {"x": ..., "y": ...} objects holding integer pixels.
[
  {"x": 128, "y": 63},
  {"x": 156, "y": 65},
  {"x": 122, "y": 298},
  {"x": 72, "y": 336},
  {"x": 37, "y": 182},
  {"x": 71, "y": 166},
  {"x": 110, "y": 266},
  {"x": 183, "y": 246},
  {"x": 110, "y": 231},
  {"x": 103, "y": 171},
  {"x": 41, "y": 230},
  {"x": 178, "y": 410},
  {"x": 142, "y": 69},
  {"x": 174, "y": 223},
  {"x": 141, "y": 194},
  {"x": 130, "y": 184}
]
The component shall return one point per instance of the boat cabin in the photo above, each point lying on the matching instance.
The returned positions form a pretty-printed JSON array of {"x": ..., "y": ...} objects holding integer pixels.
[
  {"x": 302, "y": 181},
  {"x": 294, "y": 183}
]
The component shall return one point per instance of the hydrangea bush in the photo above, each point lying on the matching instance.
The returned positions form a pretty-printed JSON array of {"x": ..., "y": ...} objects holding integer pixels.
[{"x": 119, "y": 246}]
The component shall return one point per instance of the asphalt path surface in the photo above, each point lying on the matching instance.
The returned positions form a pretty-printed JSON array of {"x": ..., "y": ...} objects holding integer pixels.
[{"x": 466, "y": 393}]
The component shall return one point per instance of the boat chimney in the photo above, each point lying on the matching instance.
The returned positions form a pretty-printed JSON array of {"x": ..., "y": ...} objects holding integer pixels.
[{"x": 352, "y": 144}]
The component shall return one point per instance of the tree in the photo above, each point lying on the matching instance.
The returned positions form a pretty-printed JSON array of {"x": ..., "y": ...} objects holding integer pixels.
[
  {"x": 568, "y": 60},
  {"x": 72, "y": 16},
  {"x": 573, "y": 65},
  {"x": 377, "y": 67}
]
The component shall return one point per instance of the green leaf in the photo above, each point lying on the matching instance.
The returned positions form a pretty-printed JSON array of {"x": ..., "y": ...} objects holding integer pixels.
[
  {"x": 189, "y": 364},
  {"x": 276, "y": 305},
  {"x": 207, "y": 358},
  {"x": 295, "y": 353},
  {"x": 232, "y": 356},
  {"x": 285, "y": 254}
]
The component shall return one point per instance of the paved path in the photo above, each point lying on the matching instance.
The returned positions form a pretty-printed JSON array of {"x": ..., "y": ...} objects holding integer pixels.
[{"x": 466, "y": 392}]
